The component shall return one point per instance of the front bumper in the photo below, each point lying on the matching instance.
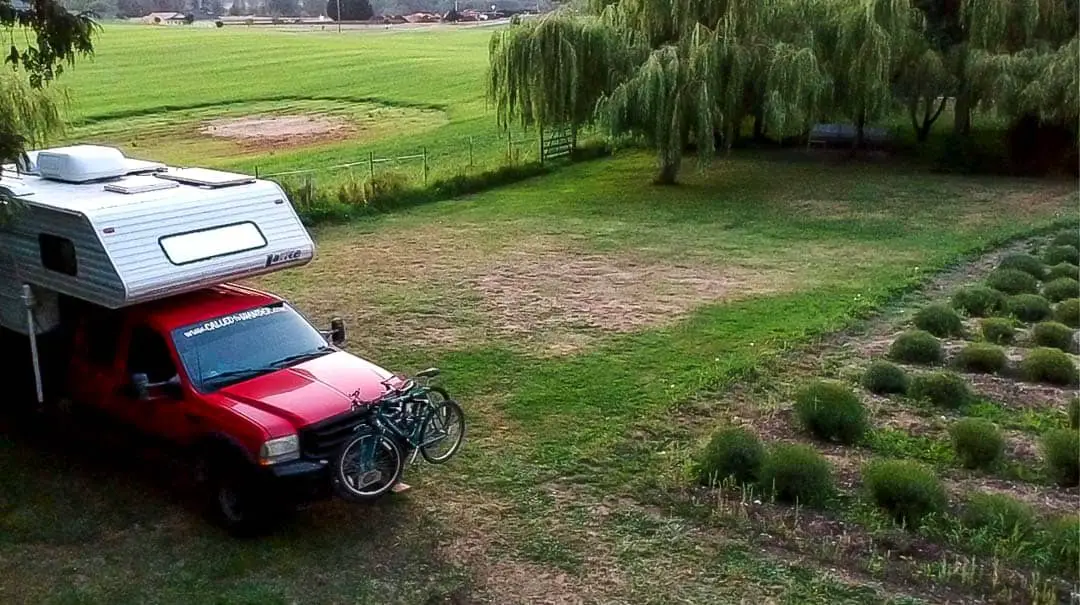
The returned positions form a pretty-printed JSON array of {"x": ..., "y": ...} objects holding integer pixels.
[{"x": 300, "y": 480}]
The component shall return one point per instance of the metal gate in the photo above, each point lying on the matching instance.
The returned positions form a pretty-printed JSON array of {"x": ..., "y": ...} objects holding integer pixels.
[{"x": 557, "y": 143}]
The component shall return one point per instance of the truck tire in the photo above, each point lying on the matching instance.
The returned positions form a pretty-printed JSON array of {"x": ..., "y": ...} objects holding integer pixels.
[{"x": 234, "y": 497}]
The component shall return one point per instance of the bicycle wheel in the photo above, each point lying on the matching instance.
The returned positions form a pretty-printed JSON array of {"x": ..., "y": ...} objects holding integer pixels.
[
  {"x": 367, "y": 467},
  {"x": 437, "y": 395},
  {"x": 442, "y": 432}
]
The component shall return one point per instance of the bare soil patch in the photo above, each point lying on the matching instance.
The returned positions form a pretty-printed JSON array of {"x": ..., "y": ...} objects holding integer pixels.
[
  {"x": 1022, "y": 204},
  {"x": 279, "y": 131},
  {"x": 555, "y": 290},
  {"x": 437, "y": 285}
]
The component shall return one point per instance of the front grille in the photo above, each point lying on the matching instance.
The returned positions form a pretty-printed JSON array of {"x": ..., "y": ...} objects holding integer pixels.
[{"x": 322, "y": 440}]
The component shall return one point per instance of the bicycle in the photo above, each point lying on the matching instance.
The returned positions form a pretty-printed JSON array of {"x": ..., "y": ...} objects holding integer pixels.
[{"x": 413, "y": 416}]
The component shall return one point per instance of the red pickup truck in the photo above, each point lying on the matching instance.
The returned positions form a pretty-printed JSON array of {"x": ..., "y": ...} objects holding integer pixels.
[
  {"x": 111, "y": 274},
  {"x": 238, "y": 379}
]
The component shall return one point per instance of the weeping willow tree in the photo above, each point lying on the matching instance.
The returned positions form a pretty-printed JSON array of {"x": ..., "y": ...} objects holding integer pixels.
[
  {"x": 923, "y": 86},
  {"x": 29, "y": 113},
  {"x": 1053, "y": 89},
  {"x": 671, "y": 95},
  {"x": 553, "y": 71},
  {"x": 677, "y": 73},
  {"x": 669, "y": 71},
  {"x": 998, "y": 39},
  {"x": 28, "y": 117},
  {"x": 866, "y": 50}
]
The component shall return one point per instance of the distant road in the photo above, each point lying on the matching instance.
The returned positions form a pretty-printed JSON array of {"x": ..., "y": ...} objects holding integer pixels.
[{"x": 330, "y": 26}]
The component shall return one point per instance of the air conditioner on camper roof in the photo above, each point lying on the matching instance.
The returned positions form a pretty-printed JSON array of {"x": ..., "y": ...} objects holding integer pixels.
[{"x": 82, "y": 163}]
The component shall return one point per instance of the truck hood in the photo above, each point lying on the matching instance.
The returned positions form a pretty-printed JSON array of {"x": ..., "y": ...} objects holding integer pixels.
[{"x": 311, "y": 391}]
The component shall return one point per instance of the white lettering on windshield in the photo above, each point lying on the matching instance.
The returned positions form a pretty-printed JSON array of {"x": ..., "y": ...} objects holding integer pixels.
[{"x": 229, "y": 320}]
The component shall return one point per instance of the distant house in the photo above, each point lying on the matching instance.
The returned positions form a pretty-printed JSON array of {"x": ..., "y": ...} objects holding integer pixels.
[{"x": 165, "y": 19}]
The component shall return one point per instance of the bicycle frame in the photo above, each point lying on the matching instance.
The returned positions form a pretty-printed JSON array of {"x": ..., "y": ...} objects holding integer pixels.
[{"x": 383, "y": 422}]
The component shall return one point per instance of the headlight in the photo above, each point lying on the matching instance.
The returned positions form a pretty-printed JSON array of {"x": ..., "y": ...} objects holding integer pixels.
[{"x": 282, "y": 449}]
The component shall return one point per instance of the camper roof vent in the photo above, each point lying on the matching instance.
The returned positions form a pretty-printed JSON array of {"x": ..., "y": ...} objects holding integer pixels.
[
  {"x": 139, "y": 184},
  {"x": 81, "y": 163},
  {"x": 84, "y": 163},
  {"x": 204, "y": 177}
]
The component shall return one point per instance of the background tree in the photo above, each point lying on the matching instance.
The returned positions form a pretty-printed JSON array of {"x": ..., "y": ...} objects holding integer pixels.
[
  {"x": 29, "y": 113},
  {"x": 924, "y": 85},
  {"x": 351, "y": 10},
  {"x": 669, "y": 71},
  {"x": 553, "y": 71},
  {"x": 976, "y": 38},
  {"x": 866, "y": 50}
]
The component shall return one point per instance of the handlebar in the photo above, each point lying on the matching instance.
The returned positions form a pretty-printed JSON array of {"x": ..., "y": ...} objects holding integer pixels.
[{"x": 405, "y": 389}]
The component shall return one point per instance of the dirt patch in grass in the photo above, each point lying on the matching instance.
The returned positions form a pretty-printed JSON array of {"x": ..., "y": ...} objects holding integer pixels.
[
  {"x": 559, "y": 291},
  {"x": 446, "y": 287},
  {"x": 267, "y": 132},
  {"x": 1023, "y": 205},
  {"x": 206, "y": 135}
]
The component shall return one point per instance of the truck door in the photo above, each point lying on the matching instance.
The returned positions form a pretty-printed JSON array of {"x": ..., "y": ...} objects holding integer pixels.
[
  {"x": 95, "y": 372},
  {"x": 166, "y": 412}
]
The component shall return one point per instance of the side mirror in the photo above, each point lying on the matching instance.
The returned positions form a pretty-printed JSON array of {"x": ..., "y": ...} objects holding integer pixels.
[
  {"x": 140, "y": 386},
  {"x": 337, "y": 331}
]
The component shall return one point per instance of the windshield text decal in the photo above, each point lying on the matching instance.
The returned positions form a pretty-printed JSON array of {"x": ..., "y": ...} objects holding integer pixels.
[{"x": 229, "y": 320}]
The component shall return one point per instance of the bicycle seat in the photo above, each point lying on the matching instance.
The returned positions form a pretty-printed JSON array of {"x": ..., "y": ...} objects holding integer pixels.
[{"x": 428, "y": 373}]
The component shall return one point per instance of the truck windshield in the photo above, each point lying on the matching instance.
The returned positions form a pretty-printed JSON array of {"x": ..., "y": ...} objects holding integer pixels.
[{"x": 237, "y": 347}]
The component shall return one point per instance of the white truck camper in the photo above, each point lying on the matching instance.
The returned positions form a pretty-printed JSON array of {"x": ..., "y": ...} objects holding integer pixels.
[{"x": 95, "y": 226}]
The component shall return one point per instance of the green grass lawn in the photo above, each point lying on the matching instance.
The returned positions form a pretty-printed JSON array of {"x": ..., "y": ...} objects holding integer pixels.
[
  {"x": 573, "y": 315},
  {"x": 155, "y": 106}
]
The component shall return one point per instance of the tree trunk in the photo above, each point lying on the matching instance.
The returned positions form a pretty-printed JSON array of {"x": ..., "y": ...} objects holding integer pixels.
[
  {"x": 669, "y": 171},
  {"x": 923, "y": 133},
  {"x": 962, "y": 114},
  {"x": 860, "y": 130},
  {"x": 759, "y": 126},
  {"x": 922, "y": 127}
]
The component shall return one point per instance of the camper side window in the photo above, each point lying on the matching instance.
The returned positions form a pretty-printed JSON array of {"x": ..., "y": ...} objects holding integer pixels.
[
  {"x": 149, "y": 355},
  {"x": 58, "y": 254}
]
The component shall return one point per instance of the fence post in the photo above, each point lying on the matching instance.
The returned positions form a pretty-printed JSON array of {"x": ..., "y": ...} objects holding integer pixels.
[
  {"x": 509, "y": 147},
  {"x": 470, "y": 153},
  {"x": 540, "y": 129},
  {"x": 256, "y": 172},
  {"x": 371, "y": 166},
  {"x": 425, "y": 166}
]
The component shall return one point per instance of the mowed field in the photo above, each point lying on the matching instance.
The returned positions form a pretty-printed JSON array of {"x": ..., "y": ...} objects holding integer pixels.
[
  {"x": 595, "y": 328},
  {"x": 218, "y": 97}
]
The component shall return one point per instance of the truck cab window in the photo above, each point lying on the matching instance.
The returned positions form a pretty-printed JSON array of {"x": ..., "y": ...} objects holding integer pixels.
[
  {"x": 58, "y": 254},
  {"x": 149, "y": 355}
]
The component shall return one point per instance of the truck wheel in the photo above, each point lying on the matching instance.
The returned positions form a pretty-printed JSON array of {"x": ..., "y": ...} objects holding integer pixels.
[{"x": 234, "y": 500}]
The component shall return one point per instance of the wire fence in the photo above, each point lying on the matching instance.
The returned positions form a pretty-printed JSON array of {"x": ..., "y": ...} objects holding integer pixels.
[{"x": 472, "y": 154}]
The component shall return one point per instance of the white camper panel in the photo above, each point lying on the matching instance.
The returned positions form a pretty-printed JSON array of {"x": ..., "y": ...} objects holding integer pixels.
[
  {"x": 39, "y": 235},
  {"x": 123, "y": 240},
  {"x": 160, "y": 247}
]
